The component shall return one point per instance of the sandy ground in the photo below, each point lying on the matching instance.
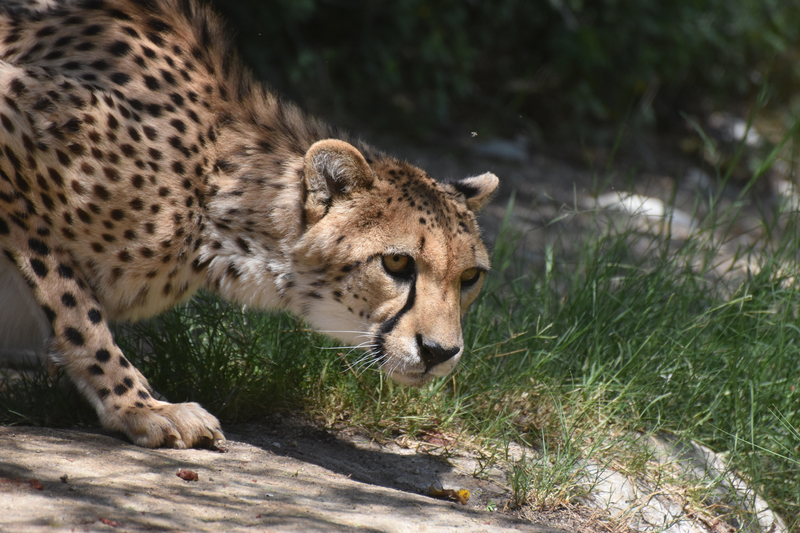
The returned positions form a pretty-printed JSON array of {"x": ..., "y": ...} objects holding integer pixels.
[{"x": 73, "y": 480}]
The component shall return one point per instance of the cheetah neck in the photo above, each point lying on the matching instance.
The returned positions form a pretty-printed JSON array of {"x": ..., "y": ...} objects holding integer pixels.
[{"x": 254, "y": 213}]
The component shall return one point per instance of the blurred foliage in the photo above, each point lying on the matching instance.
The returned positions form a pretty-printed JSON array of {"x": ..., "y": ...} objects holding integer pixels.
[{"x": 548, "y": 61}]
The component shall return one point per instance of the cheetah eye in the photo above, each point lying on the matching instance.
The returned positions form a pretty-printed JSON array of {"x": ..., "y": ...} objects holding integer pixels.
[
  {"x": 470, "y": 277},
  {"x": 398, "y": 265}
]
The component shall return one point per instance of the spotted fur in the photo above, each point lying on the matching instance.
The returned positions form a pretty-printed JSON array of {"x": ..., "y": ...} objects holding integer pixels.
[{"x": 139, "y": 162}]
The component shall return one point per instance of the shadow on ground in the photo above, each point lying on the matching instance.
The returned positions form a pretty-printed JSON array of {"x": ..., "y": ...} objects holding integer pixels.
[{"x": 64, "y": 479}]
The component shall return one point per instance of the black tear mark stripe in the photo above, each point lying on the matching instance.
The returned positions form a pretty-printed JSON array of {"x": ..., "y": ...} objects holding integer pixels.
[{"x": 390, "y": 324}]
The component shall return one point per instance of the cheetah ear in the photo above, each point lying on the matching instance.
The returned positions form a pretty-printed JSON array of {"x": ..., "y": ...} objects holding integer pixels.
[
  {"x": 476, "y": 191},
  {"x": 332, "y": 169}
]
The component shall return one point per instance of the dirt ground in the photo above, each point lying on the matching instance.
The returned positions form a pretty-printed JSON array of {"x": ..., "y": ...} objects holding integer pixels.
[{"x": 275, "y": 477}]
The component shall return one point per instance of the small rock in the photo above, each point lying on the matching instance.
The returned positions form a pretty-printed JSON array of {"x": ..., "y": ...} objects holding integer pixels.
[{"x": 504, "y": 149}]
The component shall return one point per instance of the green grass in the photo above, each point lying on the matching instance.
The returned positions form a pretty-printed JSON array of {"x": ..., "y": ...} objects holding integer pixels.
[{"x": 574, "y": 359}]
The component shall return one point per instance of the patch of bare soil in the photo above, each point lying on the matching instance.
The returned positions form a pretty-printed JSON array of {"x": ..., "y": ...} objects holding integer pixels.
[
  {"x": 279, "y": 477},
  {"x": 412, "y": 466}
]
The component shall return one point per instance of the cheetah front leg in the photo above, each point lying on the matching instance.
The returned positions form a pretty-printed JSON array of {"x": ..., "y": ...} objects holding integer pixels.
[
  {"x": 83, "y": 345},
  {"x": 82, "y": 342}
]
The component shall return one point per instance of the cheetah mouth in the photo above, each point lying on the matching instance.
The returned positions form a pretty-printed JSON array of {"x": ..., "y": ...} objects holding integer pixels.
[
  {"x": 411, "y": 379},
  {"x": 413, "y": 370},
  {"x": 417, "y": 378}
]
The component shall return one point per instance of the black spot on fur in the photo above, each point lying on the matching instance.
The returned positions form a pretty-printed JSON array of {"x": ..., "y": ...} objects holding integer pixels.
[
  {"x": 101, "y": 192},
  {"x": 55, "y": 177},
  {"x": 150, "y": 133},
  {"x": 128, "y": 150},
  {"x": 63, "y": 158},
  {"x": 68, "y": 299},
  {"x": 120, "y": 78},
  {"x": 7, "y": 124},
  {"x": 100, "y": 64},
  {"x": 17, "y": 87},
  {"x": 111, "y": 173},
  {"x": 156, "y": 39},
  {"x": 167, "y": 75},
  {"x": 243, "y": 245},
  {"x": 39, "y": 268},
  {"x": 46, "y": 31},
  {"x": 74, "y": 336},
  {"x": 158, "y": 25},
  {"x": 38, "y": 247},
  {"x": 119, "y": 15},
  {"x": 77, "y": 149},
  {"x": 95, "y": 316},
  {"x": 65, "y": 271},
  {"x": 119, "y": 48},
  {"x": 49, "y": 313},
  {"x": 152, "y": 83}
]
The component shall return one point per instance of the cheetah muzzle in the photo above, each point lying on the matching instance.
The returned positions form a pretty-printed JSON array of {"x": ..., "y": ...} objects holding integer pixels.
[{"x": 139, "y": 162}]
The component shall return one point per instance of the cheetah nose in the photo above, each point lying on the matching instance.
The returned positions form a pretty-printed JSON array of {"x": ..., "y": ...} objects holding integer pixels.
[{"x": 432, "y": 353}]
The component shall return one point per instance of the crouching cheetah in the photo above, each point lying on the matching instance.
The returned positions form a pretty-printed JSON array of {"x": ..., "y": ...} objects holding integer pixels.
[{"x": 139, "y": 163}]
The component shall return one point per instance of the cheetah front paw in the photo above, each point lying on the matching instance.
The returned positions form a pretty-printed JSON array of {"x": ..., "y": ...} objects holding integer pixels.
[{"x": 169, "y": 425}]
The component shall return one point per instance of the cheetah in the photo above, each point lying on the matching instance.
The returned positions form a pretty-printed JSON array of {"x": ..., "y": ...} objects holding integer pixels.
[{"x": 140, "y": 162}]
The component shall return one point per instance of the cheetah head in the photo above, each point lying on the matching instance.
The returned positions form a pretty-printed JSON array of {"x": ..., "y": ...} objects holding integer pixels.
[{"x": 392, "y": 258}]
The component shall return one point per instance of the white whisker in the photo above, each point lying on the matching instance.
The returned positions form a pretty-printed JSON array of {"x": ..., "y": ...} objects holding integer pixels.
[
  {"x": 367, "y": 360},
  {"x": 346, "y": 347}
]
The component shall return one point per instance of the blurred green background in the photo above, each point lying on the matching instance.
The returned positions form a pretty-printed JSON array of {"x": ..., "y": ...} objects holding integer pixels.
[{"x": 548, "y": 64}]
